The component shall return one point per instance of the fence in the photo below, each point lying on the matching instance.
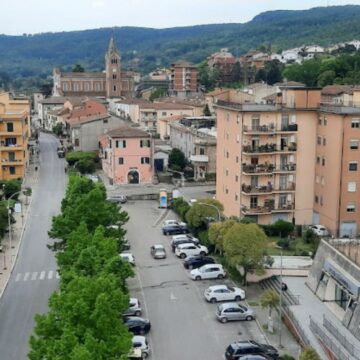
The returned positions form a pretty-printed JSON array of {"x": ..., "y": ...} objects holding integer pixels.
[
  {"x": 343, "y": 340},
  {"x": 303, "y": 338},
  {"x": 328, "y": 342}
]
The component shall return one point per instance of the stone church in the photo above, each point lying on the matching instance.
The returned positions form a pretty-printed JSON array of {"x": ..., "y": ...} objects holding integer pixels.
[{"x": 111, "y": 83}]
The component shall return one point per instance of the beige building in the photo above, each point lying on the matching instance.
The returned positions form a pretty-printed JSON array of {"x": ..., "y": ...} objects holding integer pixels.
[
  {"x": 296, "y": 159},
  {"x": 183, "y": 79},
  {"x": 14, "y": 136}
]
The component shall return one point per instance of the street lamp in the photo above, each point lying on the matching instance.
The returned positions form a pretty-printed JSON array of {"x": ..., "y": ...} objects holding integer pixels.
[
  {"x": 9, "y": 222},
  {"x": 213, "y": 206}
]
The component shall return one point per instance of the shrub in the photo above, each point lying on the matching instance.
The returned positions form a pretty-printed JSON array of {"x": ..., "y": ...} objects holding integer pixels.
[
  {"x": 310, "y": 237},
  {"x": 210, "y": 176},
  {"x": 85, "y": 166},
  {"x": 283, "y": 228},
  {"x": 284, "y": 243},
  {"x": 73, "y": 157},
  {"x": 181, "y": 207}
]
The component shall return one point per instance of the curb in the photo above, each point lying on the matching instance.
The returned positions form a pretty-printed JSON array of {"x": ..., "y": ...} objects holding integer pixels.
[{"x": 20, "y": 242}]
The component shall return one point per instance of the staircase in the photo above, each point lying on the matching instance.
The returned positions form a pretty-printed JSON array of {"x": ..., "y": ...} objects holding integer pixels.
[{"x": 273, "y": 283}]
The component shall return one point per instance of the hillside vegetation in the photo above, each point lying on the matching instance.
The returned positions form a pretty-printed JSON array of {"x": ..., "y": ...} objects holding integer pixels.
[{"x": 27, "y": 59}]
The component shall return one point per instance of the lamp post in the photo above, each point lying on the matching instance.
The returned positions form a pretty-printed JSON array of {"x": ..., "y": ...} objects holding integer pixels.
[
  {"x": 9, "y": 222},
  {"x": 213, "y": 206}
]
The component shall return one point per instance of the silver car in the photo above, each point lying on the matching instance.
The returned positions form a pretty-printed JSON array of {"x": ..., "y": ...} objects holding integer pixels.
[
  {"x": 233, "y": 311},
  {"x": 158, "y": 251},
  {"x": 134, "y": 308}
]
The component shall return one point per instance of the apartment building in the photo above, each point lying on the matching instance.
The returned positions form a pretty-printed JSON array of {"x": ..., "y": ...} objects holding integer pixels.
[
  {"x": 14, "y": 136},
  {"x": 183, "y": 79},
  {"x": 296, "y": 159}
]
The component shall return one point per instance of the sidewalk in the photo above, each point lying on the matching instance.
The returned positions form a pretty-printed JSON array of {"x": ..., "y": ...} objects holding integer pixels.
[
  {"x": 289, "y": 343},
  {"x": 9, "y": 254}
]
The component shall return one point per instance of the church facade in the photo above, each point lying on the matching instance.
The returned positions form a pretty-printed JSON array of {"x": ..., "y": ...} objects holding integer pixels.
[{"x": 112, "y": 83}]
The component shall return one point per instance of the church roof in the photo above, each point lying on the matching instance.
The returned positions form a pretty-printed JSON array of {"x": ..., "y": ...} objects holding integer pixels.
[{"x": 84, "y": 75}]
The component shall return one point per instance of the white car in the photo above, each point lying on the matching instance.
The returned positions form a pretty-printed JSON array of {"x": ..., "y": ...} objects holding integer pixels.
[
  {"x": 127, "y": 257},
  {"x": 223, "y": 293},
  {"x": 319, "y": 230},
  {"x": 173, "y": 222},
  {"x": 140, "y": 342},
  {"x": 189, "y": 249},
  {"x": 134, "y": 308},
  {"x": 208, "y": 271},
  {"x": 185, "y": 237}
]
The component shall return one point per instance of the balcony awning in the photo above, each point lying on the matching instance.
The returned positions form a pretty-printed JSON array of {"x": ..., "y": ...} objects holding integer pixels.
[{"x": 199, "y": 158}]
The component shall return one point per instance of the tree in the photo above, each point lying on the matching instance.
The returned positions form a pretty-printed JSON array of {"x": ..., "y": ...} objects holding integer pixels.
[
  {"x": 74, "y": 156},
  {"x": 244, "y": 246},
  {"x": 270, "y": 299},
  {"x": 46, "y": 88},
  {"x": 177, "y": 160},
  {"x": 283, "y": 228},
  {"x": 199, "y": 214},
  {"x": 207, "y": 111},
  {"x": 217, "y": 232},
  {"x": 78, "y": 68},
  {"x": 236, "y": 74},
  {"x": 157, "y": 93},
  {"x": 85, "y": 166},
  {"x": 309, "y": 354},
  {"x": 326, "y": 78},
  {"x": 181, "y": 207},
  {"x": 58, "y": 129},
  {"x": 271, "y": 73},
  {"x": 10, "y": 187}
]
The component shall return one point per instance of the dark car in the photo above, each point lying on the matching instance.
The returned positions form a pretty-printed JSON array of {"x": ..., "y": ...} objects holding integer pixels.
[
  {"x": 194, "y": 262},
  {"x": 176, "y": 243},
  {"x": 174, "y": 229},
  {"x": 137, "y": 325},
  {"x": 237, "y": 350}
]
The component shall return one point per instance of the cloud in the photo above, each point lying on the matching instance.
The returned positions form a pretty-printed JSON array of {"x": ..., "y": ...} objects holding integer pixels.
[{"x": 96, "y": 4}]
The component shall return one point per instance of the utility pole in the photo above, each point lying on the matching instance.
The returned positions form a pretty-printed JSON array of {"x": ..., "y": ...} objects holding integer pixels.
[{"x": 281, "y": 284}]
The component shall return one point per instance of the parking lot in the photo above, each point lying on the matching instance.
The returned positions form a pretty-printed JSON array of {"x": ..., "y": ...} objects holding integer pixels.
[{"x": 184, "y": 325}]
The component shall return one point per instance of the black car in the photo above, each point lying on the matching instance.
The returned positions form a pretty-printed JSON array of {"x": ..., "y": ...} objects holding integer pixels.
[
  {"x": 194, "y": 262},
  {"x": 174, "y": 229},
  {"x": 137, "y": 325},
  {"x": 176, "y": 243},
  {"x": 237, "y": 350}
]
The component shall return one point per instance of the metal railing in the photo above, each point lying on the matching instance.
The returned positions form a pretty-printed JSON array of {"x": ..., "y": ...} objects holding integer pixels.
[
  {"x": 342, "y": 339},
  {"x": 329, "y": 342},
  {"x": 348, "y": 247}
]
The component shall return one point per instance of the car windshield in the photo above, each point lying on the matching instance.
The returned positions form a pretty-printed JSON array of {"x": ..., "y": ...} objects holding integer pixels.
[{"x": 231, "y": 288}]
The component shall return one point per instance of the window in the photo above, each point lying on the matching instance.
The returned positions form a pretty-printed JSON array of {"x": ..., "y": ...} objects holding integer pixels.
[
  {"x": 114, "y": 87},
  {"x": 86, "y": 87},
  {"x": 12, "y": 170},
  {"x": 9, "y": 127},
  {"x": 354, "y": 144},
  {"x": 77, "y": 142},
  {"x": 236, "y": 197},
  {"x": 317, "y": 179},
  {"x": 11, "y": 156},
  {"x": 227, "y": 154},
  {"x": 318, "y": 160},
  {"x": 76, "y": 87},
  {"x": 353, "y": 166},
  {"x": 226, "y": 190},
  {"x": 341, "y": 296},
  {"x": 238, "y": 119},
  {"x": 237, "y": 159},
  {"x": 114, "y": 61},
  {"x": 350, "y": 208},
  {"x": 321, "y": 200},
  {"x": 324, "y": 141},
  {"x": 202, "y": 151},
  {"x": 227, "y": 172},
  {"x": 352, "y": 186},
  {"x": 238, "y": 138},
  {"x": 322, "y": 180},
  {"x": 320, "y": 121},
  {"x": 105, "y": 121},
  {"x": 253, "y": 202},
  {"x": 237, "y": 178},
  {"x": 114, "y": 76},
  {"x": 120, "y": 144},
  {"x": 163, "y": 113},
  {"x": 355, "y": 123},
  {"x": 325, "y": 121},
  {"x": 145, "y": 160},
  {"x": 316, "y": 199},
  {"x": 65, "y": 87},
  {"x": 319, "y": 140},
  {"x": 144, "y": 143},
  {"x": 227, "y": 116},
  {"x": 121, "y": 161},
  {"x": 323, "y": 161},
  {"x": 227, "y": 136}
]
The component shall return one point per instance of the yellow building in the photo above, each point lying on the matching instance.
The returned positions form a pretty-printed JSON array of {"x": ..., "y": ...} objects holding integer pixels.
[{"x": 14, "y": 136}]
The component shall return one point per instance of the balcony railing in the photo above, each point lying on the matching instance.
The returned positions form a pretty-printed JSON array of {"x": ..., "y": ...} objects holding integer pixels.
[
  {"x": 270, "y": 128},
  {"x": 269, "y": 148},
  {"x": 248, "y": 189},
  {"x": 286, "y": 168},
  {"x": 256, "y": 210},
  {"x": 258, "y": 168}
]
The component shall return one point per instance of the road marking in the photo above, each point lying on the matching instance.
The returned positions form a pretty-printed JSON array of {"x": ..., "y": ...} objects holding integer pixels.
[
  {"x": 34, "y": 275},
  {"x": 173, "y": 297},
  {"x": 18, "y": 276},
  {"x": 50, "y": 274},
  {"x": 42, "y": 275},
  {"x": 27, "y": 274},
  {"x": 57, "y": 275}
]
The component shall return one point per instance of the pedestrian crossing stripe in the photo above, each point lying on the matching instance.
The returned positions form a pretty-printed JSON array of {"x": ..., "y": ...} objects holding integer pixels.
[{"x": 37, "y": 275}]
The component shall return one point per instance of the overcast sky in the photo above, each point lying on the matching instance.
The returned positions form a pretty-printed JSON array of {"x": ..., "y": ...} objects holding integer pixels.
[{"x": 35, "y": 16}]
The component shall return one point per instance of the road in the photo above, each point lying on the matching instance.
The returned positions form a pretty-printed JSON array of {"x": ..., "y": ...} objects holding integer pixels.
[
  {"x": 183, "y": 323},
  {"x": 34, "y": 276}
]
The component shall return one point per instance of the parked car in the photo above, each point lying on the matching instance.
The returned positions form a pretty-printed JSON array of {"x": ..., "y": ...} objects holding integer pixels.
[
  {"x": 196, "y": 261},
  {"x": 158, "y": 251},
  {"x": 140, "y": 342},
  {"x": 188, "y": 249},
  {"x": 224, "y": 293},
  {"x": 173, "y": 229},
  {"x": 137, "y": 325},
  {"x": 122, "y": 199},
  {"x": 238, "y": 349},
  {"x": 134, "y": 308},
  {"x": 209, "y": 271},
  {"x": 185, "y": 237},
  {"x": 233, "y": 311},
  {"x": 253, "y": 357},
  {"x": 135, "y": 354},
  {"x": 127, "y": 257},
  {"x": 173, "y": 222},
  {"x": 175, "y": 243},
  {"x": 319, "y": 230}
]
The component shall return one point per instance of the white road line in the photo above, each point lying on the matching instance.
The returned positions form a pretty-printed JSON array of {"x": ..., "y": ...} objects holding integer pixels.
[
  {"x": 57, "y": 275},
  {"x": 34, "y": 275},
  {"x": 26, "y": 276},
  {"x": 50, "y": 274},
  {"x": 18, "y": 276},
  {"x": 42, "y": 275}
]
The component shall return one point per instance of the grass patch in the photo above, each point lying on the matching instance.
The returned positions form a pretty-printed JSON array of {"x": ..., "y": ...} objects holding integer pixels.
[
  {"x": 253, "y": 303},
  {"x": 297, "y": 247}
]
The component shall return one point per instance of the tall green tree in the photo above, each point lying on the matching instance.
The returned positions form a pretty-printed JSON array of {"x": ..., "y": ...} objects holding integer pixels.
[
  {"x": 78, "y": 68},
  {"x": 270, "y": 299},
  {"x": 244, "y": 246},
  {"x": 177, "y": 160},
  {"x": 217, "y": 232}
]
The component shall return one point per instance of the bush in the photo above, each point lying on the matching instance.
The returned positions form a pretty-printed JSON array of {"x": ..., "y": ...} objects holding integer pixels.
[
  {"x": 286, "y": 357},
  {"x": 284, "y": 243},
  {"x": 10, "y": 187},
  {"x": 177, "y": 160},
  {"x": 283, "y": 228},
  {"x": 310, "y": 237},
  {"x": 73, "y": 157},
  {"x": 268, "y": 230},
  {"x": 85, "y": 166},
  {"x": 181, "y": 207},
  {"x": 210, "y": 176}
]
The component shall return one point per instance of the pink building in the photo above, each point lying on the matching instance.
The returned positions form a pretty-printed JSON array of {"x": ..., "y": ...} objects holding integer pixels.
[{"x": 127, "y": 156}]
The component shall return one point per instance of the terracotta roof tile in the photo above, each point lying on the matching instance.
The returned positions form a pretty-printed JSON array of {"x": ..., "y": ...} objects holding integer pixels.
[{"x": 128, "y": 132}]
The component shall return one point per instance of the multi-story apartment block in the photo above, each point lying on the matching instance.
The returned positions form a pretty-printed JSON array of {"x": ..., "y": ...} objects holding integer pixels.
[
  {"x": 14, "y": 135},
  {"x": 183, "y": 79},
  {"x": 295, "y": 159},
  {"x": 127, "y": 156}
]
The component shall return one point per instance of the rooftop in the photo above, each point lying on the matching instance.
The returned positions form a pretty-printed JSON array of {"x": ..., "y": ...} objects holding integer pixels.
[{"x": 127, "y": 132}]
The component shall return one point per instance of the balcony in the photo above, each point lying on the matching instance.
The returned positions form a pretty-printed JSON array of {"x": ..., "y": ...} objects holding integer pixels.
[
  {"x": 268, "y": 148},
  {"x": 284, "y": 208},
  {"x": 285, "y": 168},
  {"x": 199, "y": 158},
  {"x": 257, "y": 210},
  {"x": 15, "y": 162},
  {"x": 289, "y": 187},
  {"x": 261, "y": 129},
  {"x": 288, "y": 128},
  {"x": 251, "y": 190},
  {"x": 11, "y": 147},
  {"x": 258, "y": 169}
]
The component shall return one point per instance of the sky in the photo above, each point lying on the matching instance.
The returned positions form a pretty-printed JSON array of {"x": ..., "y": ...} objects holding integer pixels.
[{"x": 37, "y": 16}]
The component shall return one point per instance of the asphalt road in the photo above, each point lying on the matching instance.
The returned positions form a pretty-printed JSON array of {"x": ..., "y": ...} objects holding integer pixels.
[
  {"x": 34, "y": 276},
  {"x": 183, "y": 323}
]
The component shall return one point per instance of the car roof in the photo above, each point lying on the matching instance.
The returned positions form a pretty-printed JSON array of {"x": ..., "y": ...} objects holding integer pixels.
[
  {"x": 229, "y": 305},
  {"x": 244, "y": 343},
  {"x": 138, "y": 338},
  {"x": 158, "y": 246},
  {"x": 217, "y": 287},
  {"x": 211, "y": 265},
  {"x": 186, "y": 244}
]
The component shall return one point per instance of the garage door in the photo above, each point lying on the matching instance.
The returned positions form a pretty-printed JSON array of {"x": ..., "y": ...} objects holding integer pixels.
[
  {"x": 316, "y": 218},
  {"x": 280, "y": 216},
  {"x": 348, "y": 229},
  {"x": 159, "y": 164}
]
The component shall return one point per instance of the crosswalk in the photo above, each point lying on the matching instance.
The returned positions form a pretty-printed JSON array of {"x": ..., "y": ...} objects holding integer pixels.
[{"x": 37, "y": 276}]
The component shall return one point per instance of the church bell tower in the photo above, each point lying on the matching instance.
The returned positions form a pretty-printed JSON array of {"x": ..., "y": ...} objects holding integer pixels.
[{"x": 113, "y": 71}]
